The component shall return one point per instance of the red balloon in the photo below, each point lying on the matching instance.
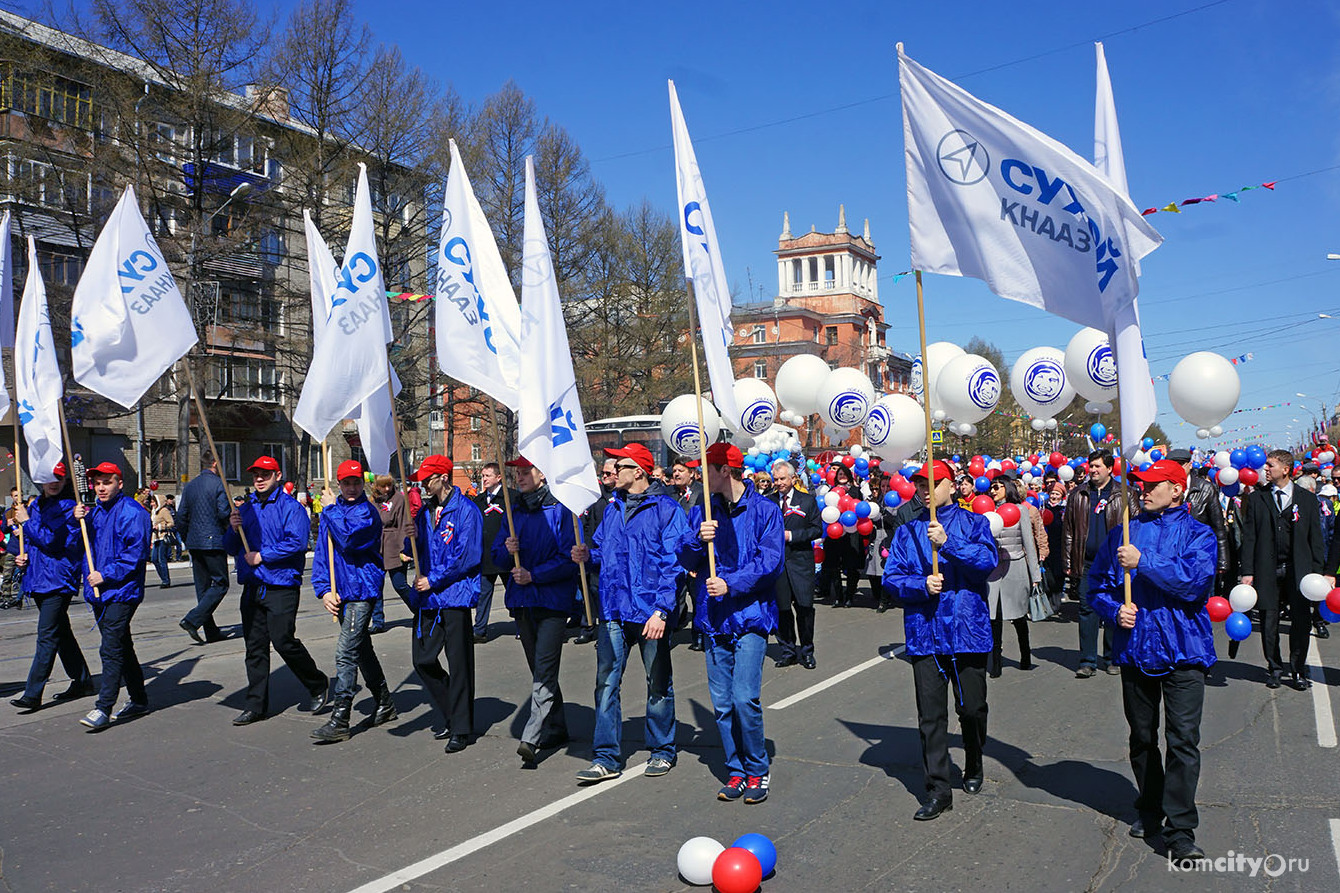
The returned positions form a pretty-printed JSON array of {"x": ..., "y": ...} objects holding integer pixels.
[
  {"x": 981, "y": 504},
  {"x": 1333, "y": 600},
  {"x": 835, "y": 530},
  {"x": 1218, "y": 608},
  {"x": 874, "y": 463},
  {"x": 840, "y": 491},
  {"x": 865, "y": 527},
  {"x": 848, "y": 461},
  {"x": 1009, "y": 513},
  {"x": 818, "y": 555},
  {"x": 1117, "y": 466},
  {"x": 1056, "y": 460},
  {"x": 1007, "y": 465},
  {"x": 737, "y": 870},
  {"x": 1047, "y": 516},
  {"x": 288, "y": 487},
  {"x": 1248, "y": 476},
  {"x": 907, "y": 490},
  {"x": 153, "y": 485}
]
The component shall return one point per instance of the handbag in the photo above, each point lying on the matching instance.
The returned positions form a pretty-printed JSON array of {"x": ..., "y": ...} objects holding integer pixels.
[{"x": 1039, "y": 605}]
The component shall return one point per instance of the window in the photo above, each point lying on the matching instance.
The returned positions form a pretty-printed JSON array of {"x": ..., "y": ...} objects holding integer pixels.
[
  {"x": 876, "y": 377},
  {"x": 828, "y": 271},
  {"x": 760, "y": 335},
  {"x": 46, "y": 96},
  {"x": 51, "y": 187},
  {"x": 316, "y": 469},
  {"x": 797, "y": 274},
  {"x": 275, "y": 451},
  {"x": 831, "y": 333},
  {"x": 475, "y": 423},
  {"x": 58, "y": 268},
  {"x": 271, "y": 246},
  {"x": 244, "y": 378},
  {"x": 163, "y": 460},
  {"x": 248, "y": 308},
  {"x": 475, "y": 454},
  {"x": 228, "y": 459},
  {"x": 760, "y": 368},
  {"x": 165, "y": 142}
]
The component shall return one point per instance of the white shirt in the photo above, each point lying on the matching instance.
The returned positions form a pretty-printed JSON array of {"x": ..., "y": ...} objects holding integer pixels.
[{"x": 1287, "y": 490}]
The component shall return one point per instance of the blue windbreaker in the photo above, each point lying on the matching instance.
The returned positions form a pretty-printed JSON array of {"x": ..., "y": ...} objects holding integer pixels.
[
  {"x": 546, "y": 537},
  {"x": 55, "y": 547},
  {"x": 278, "y": 528},
  {"x": 1170, "y": 585},
  {"x": 750, "y": 552},
  {"x": 450, "y": 540},
  {"x": 119, "y": 534},
  {"x": 356, "y": 528},
  {"x": 957, "y": 620},
  {"x": 639, "y": 571}
]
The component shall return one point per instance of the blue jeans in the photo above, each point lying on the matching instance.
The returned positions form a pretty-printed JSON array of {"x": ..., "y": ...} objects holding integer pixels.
[
  {"x": 54, "y": 637},
  {"x": 614, "y": 639},
  {"x": 402, "y": 589},
  {"x": 353, "y": 652},
  {"x": 735, "y": 678},
  {"x": 158, "y": 553},
  {"x": 1089, "y": 621}
]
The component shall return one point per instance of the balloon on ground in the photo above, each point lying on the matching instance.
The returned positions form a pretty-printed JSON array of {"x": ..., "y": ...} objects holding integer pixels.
[{"x": 696, "y": 858}]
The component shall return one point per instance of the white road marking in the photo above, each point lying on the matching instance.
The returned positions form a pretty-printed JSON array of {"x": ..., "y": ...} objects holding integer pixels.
[
  {"x": 834, "y": 680},
  {"x": 1321, "y": 702}
]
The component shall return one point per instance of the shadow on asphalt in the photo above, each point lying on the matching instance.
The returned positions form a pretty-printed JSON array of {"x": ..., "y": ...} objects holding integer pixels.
[{"x": 167, "y": 687}]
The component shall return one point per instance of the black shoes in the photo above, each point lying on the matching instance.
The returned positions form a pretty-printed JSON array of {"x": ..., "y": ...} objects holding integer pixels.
[
  {"x": 319, "y": 700},
  {"x": 584, "y": 638},
  {"x": 457, "y": 743},
  {"x": 933, "y": 808},
  {"x": 26, "y": 703},
  {"x": 247, "y": 717},
  {"x": 807, "y": 661},
  {"x": 1300, "y": 682},
  {"x": 336, "y": 728},
  {"x": 1273, "y": 680},
  {"x": 972, "y": 784},
  {"x": 385, "y": 711},
  {"x": 788, "y": 660},
  {"x": 192, "y": 631},
  {"x": 1184, "y": 851},
  {"x": 527, "y": 752},
  {"x": 75, "y": 691},
  {"x": 1140, "y": 829},
  {"x": 442, "y": 735},
  {"x": 1322, "y": 631}
]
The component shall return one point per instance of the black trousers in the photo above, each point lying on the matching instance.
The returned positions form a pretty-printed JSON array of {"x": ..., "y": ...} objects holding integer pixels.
[
  {"x": 270, "y": 617},
  {"x": 209, "y": 567},
  {"x": 542, "y": 632},
  {"x": 451, "y": 690},
  {"x": 792, "y": 620},
  {"x": 933, "y": 677},
  {"x": 119, "y": 662},
  {"x": 1020, "y": 630},
  {"x": 1300, "y": 626},
  {"x": 1166, "y": 789}
]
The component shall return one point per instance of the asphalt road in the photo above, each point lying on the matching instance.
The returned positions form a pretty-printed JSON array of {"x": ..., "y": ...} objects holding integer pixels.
[{"x": 180, "y": 800}]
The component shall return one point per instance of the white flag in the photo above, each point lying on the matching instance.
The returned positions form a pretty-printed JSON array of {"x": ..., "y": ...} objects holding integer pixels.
[
  {"x": 349, "y": 357},
  {"x": 37, "y": 385},
  {"x": 375, "y": 429},
  {"x": 703, "y": 266},
  {"x": 6, "y": 286},
  {"x": 993, "y": 198},
  {"x": 551, "y": 430},
  {"x": 128, "y": 322},
  {"x": 1135, "y": 387},
  {"x": 478, "y": 321}
]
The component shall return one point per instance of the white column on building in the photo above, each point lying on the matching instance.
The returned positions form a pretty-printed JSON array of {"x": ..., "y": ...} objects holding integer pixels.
[{"x": 782, "y": 266}]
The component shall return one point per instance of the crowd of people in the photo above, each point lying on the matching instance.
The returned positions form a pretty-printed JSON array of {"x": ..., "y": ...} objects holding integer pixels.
[{"x": 729, "y": 554}]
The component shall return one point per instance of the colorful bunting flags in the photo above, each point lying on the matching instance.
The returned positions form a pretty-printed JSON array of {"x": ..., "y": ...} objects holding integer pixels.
[{"x": 1176, "y": 207}]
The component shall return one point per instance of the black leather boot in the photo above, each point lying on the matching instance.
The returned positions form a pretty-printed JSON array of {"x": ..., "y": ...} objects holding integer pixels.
[
  {"x": 385, "y": 707},
  {"x": 337, "y": 727}
]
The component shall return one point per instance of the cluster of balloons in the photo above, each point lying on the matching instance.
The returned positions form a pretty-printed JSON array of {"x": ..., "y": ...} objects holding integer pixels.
[
  {"x": 1232, "y": 611},
  {"x": 842, "y": 397},
  {"x": 739, "y": 868},
  {"x": 845, "y": 511},
  {"x": 1232, "y": 470}
]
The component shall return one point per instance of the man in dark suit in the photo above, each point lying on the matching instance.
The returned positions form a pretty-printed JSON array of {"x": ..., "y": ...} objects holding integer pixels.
[
  {"x": 490, "y": 502},
  {"x": 800, "y": 517},
  {"x": 202, "y": 521},
  {"x": 1281, "y": 544}
]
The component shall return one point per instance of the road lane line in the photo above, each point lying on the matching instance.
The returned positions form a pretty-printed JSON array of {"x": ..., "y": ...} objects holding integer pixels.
[
  {"x": 1335, "y": 839},
  {"x": 834, "y": 680},
  {"x": 1321, "y": 699}
]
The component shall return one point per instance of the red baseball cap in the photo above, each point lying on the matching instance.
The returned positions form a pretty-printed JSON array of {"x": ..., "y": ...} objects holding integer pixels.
[
  {"x": 1162, "y": 470},
  {"x": 434, "y": 464},
  {"x": 942, "y": 471},
  {"x": 725, "y": 454},
  {"x": 520, "y": 462},
  {"x": 105, "y": 468},
  {"x": 349, "y": 469},
  {"x": 59, "y": 470},
  {"x": 692, "y": 463},
  {"x": 264, "y": 463},
  {"x": 635, "y": 451}
]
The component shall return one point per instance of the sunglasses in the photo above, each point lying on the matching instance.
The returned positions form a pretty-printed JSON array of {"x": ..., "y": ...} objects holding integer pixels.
[{"x": 626, "y": 466}]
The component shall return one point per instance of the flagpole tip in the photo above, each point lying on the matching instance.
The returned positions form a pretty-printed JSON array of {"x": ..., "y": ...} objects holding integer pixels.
[{"x": 899, "y": 47}]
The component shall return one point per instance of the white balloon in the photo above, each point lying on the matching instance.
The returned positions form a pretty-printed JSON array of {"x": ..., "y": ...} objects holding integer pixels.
[
  {"x": 939, "y": 415},
  {"x": 831, "y": 499},
  {"x": 1216, "y": 431},
  {"x": 968, "y": 388},
  {"x": 895, "y": 427},
  {"x": 845, "y": 397},
  {"x": 1314, "y": 587},
  {"x": 830, "y": 513},
  {"x": 757, "y": 405},
  {"x": 679, "y": 425},
  {"x": 1242, "y": 597},
  {"x": 798, "y": 382},
  {"x": 1105, "y": 407},
  {"x": 1026, "y": 477},
  {"x": 793, "y": 445},
  {"x": 940, "y": 353},
  {"x": 1039, "y": 384},
  {"x": 696, "y": 858},
  {"x": 1050, "y": 424},
  {"x": 874, "y": 511},
  {"x": 856, "y": 451},
  {"x": 1204, "y": 388},
  {"x": 996, "y": 521},
  {"x": 821, "y": 492},
  {"x": 753, "y": 451},
  {"x": 1090, "y": 366},
  {"x": 1038, "y": 424},
  {"x": 1139, "y": 458},
  {"x": 1223, "y": 459},
  {"x": 1025, "y": 467},
  {"x": 1228, "y": 476},
  {"x": 1202, "y": 433},
  {"x": 1065, "y": 473}
]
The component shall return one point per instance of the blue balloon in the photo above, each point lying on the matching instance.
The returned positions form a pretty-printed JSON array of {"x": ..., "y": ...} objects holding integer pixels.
[
  {"x": 1155, "y": 455},
  {"x": 1147, "y": 442},
  {"x": 981, "y": 484},
  {"x": 957, "y": 458},
  {"x": 848, "y": 518},
  {"x": 1098, "y": 431},
  {"x": 1144, "y": 466},
  {"x": 1238, "y": 458},
  {"x": 862, "y": 465},
  {"x": 1238, "y": 626},
  {"x": 812, "y": 465},
  {"x": 862, "y": 510},
  {"x": 1327, "y": 614},
  {"x": 892, "y": 499},
  {"x": 762, "y": 848},
  {"x": 1256, "y": 456},
  {"x": 1232, "y": 489},
  {"x": 815, "y": 479}
]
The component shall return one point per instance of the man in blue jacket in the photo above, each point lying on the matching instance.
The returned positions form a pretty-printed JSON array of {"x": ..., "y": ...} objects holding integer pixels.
[
  {"x": 347, "y": 576},
  {"x": 736, "y": 611},
  {"x": 1163, "y": 644},
  {"x": 202, "y": 521},
  {"x": 540, "y": 595},
  {"x": 947, "y": 628},
  {"x": 449, "y": 529},
  {"x": 634, "y": 548},
  {"x": 119, "y": 530},
  {"x": 269, "y": 567}
]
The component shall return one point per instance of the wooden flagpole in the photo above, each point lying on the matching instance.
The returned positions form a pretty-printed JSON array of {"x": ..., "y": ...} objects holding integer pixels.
[
  {"x": 18, "y": 466},
  {"x": 1123, "y": 490},
  {"x": 209, "y": 438},
  {"x": 69, "y": 470},
  {"x": 702, "y": 428},
  {"x": 507, "y": 498},
  {"x": 400, "y": 458},
  {"x": 926, "y": 404},
  {"x": 330, "y": 542},
  {"x": 581, "y": 568}
]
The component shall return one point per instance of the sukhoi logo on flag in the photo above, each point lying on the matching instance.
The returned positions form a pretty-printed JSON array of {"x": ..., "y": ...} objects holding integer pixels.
[{"x": 962, "y": 158}]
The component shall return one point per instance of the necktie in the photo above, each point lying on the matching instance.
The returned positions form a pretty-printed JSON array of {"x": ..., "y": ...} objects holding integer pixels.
[{"x": 1279, "y": 500}]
